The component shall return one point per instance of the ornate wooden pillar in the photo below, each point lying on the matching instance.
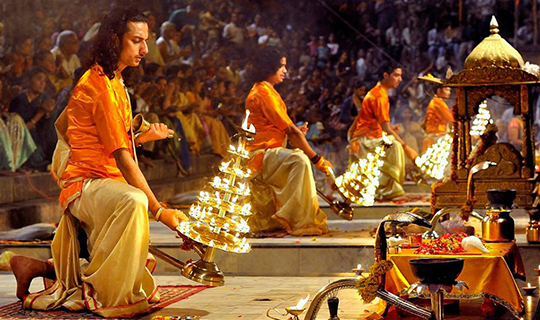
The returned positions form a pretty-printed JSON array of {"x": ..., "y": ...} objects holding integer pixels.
[
  {"x": 461, "y": 101},
  {"x": 528, "y": 147}
]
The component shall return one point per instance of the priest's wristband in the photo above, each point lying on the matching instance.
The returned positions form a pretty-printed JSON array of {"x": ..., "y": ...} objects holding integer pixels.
[
  {"x": 315, "y": 159},
  {"x": 158, "y": 213}
]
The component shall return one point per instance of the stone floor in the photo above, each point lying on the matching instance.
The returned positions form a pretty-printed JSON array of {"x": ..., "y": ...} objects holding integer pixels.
[{"x": 249, "y": 298}]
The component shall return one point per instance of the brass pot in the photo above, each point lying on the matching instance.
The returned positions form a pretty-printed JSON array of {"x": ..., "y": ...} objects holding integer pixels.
[{"x": 498, "y": 226}]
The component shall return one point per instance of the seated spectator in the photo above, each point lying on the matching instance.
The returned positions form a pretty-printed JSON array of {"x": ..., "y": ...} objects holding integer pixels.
[
  {"x": 177, "y": 147},
  {"x": 187, "y": 19},
  {"x": 515, "y": 132},
  {"x": 167, "y": 43},
  {"x": 16, "y": 143},
  {"x": 153, "y": 55},
  {"x": 39, "y": 113},
  {"x": 233, "y": 32},
  {"x": 42, "y": 43},
  {"x": 65, "y": 53},
  {"x": 18, "y": 62},
  {"x": 214, "y": 135},
  {"x": 45, "y": 60}
]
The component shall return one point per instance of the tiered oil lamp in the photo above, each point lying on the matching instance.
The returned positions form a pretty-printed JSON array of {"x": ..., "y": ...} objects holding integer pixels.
[
  {"x": 359, "y": 183},
  {"x": 482, "y": 119},
  {"x": 220, "y": 211},
  {"x": 434, "y": 161}
]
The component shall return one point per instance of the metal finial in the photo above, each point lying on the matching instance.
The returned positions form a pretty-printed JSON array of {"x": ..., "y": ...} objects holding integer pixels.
[
  {"x": 449, "y": 73},
  {"x": 493, "y": 25}
]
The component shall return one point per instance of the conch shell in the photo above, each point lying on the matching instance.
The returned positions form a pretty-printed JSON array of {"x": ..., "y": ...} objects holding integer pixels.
[{"x": 473, "y": 244}]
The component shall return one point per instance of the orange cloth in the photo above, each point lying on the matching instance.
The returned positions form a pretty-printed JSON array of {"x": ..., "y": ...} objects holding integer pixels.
[
  {"x": 268, "y": 113},
  {"x": 438, "y": 116},
  {"x": 375, "y": 110},
  {"x": 99, "y": 122},
  {"x": 490, "y": 275}
]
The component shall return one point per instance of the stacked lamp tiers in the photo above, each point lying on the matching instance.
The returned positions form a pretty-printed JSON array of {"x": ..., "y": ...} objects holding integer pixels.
[{"x": 220, "y": 211}]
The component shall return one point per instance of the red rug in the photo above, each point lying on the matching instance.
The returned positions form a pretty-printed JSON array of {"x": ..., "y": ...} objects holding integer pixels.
[{"x": 169, "y": 295}]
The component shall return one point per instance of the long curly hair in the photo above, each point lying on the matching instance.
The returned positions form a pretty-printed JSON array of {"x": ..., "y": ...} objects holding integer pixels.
[
  {"x": 107, "y": 44},
  {"x": 266, "y": 62}
]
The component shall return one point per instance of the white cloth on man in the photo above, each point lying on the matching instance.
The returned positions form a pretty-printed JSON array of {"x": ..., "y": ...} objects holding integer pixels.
[
  {"x": 234, "y": 34},
  {"x": 69, "y": 64}
]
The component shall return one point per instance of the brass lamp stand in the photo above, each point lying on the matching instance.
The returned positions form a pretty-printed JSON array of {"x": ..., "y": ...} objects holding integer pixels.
[{"x": 218, "y": 216}]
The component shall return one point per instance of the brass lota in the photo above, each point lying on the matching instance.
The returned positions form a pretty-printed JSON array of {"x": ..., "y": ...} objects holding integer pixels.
[{"x": 140, "y": 125}]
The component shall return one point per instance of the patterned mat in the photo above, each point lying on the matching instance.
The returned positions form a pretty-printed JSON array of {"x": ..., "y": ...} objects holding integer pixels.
[{"x": 169, "y": 295}]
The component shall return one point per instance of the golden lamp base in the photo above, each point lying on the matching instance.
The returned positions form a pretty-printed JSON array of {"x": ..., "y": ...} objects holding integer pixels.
[
  {"x": 204, "y": 272},
  {"x": 295, "y": 312}
]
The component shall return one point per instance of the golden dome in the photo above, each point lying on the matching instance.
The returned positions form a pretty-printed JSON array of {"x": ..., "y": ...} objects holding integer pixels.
[{"x": 494, "y": 51}]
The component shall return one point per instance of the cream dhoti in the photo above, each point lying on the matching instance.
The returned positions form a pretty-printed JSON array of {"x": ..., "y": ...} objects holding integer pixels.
[
  {"x": 284, "y": 195},
  {"x": 392, "y": 170},
  {"x": 117, "y": 233}
]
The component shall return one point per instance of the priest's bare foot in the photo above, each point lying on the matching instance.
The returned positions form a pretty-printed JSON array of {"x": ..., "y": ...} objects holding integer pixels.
[{"x": 25, "y": 269}]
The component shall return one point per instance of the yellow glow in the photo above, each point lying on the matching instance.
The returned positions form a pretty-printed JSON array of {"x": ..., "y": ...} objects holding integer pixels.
[
  {"x": 434, "y": 161},
  {"x": 251, "y": 128},
  {"x": 359, "y": 183},
  {"x": 301, "y": 303},
  {"x": 481, "y": 120}
]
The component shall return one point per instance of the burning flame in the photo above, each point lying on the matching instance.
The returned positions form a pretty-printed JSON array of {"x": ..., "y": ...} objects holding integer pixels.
[
  {"x": 245, "y": 124},
  {"x": 359, "y": 184},
  {"x": 481, "y": 120},
  {"x": 301, "y": 303},
  {"x": 434, "y": 161},
  {"x": 359, "y": 267}
]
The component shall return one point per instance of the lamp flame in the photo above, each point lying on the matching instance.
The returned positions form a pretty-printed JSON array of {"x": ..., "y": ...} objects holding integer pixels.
[
  {"x": 245, "y": 127},
  {"x": 301, "y": 303},
  {"x": 434, "y": 161},
  {"x": 359, "y": 183},
  {"x": 481, "y": 120}
]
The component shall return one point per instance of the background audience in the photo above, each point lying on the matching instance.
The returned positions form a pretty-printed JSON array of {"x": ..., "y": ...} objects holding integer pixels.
[{"x": 196, "y": 75}]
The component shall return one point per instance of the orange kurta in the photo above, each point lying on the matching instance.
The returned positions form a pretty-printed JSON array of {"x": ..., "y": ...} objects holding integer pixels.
[
  {"x": 95, "y": 195},
  {"x": 268, "y": 113},
  {"x": 438, "y": 116},
  {"x": 375, "y": 110},
  {"x": 366, "y": 133},
  {"x": 283, "y": 186},
  {"x": 99, "y": 122}
]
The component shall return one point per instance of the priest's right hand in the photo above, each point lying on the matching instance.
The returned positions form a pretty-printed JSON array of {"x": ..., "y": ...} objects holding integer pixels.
[
  {"x": 410, "y": 153},
  {"x": 172, "y": 218},
  {"x": 324, "y": 166}
]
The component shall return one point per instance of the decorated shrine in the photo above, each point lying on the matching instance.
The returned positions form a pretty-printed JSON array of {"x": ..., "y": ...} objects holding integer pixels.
[{"x": 493, "y": 68}]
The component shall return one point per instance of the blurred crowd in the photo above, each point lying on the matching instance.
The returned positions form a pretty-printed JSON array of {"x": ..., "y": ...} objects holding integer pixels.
[{"x": 196, "y": 75}]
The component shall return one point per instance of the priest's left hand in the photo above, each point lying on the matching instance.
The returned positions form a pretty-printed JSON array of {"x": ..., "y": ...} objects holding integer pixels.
[
  {"x": 304, "y": 128},
  {"x": 157, "y": 131}
]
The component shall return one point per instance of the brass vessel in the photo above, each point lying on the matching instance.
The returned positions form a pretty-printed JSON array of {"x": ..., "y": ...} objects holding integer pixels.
[
  {"x": 497, "y": 225},
  {"x": 140, "y": 125}
]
